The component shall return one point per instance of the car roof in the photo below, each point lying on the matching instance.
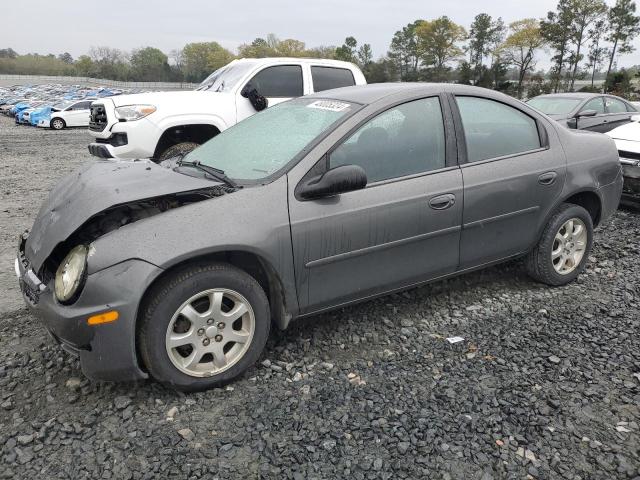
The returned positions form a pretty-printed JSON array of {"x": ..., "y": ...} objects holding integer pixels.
[
  {"x": 374, "y": 92},
  {"x": 578, "y": 95}
]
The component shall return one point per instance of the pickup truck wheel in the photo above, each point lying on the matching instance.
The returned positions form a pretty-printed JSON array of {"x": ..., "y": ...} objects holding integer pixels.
[
  {"x": 561, "y": 254},
  {"x": 58, "y": 124},
  {"x": 178, "y": 149},
  {"x": 203, "y": 326}
]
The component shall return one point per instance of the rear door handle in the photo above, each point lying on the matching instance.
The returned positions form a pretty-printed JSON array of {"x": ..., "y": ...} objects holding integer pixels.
[
  {"x": 547, "y": 178},
  {"x": 442, "y": 202}
]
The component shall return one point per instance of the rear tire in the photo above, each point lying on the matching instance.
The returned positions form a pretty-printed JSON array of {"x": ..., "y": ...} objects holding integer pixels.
[
  {"x": 203, "y": 326},
  {"x": 564, "y": 247},
  {"x": 181, "y": 148},
  {"x": 58, "y": 124}
]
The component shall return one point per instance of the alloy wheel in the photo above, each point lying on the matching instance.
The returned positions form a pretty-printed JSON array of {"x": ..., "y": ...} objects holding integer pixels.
[
  {"x": 569, "y": 246},
  {"x": 210, "y": 332}
]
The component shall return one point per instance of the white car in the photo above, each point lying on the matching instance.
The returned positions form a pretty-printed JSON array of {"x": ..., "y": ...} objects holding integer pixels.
[
  {"x": 627, "y": 138},
  {"x": 70, "y": 113},
  {"x": 161, "y": 125}
]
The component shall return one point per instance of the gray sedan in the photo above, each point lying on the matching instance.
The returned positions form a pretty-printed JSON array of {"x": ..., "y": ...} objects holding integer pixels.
[
  {"x": 177, "y": 271},
  {"x": 586, "y": 111}
]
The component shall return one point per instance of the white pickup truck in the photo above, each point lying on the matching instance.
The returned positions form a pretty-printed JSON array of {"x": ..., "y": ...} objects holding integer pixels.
[{"x": 160, "y": 125}]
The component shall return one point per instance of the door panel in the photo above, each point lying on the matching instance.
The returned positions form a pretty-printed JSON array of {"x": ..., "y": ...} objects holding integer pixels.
[
  {"x": 511, "y": 179},
  {"x": 505, "y": 201},
  {"x": 373, "y": 240}
]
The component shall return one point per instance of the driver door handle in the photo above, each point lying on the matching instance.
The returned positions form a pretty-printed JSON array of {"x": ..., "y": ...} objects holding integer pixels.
[{"x": 442, "y": 202}]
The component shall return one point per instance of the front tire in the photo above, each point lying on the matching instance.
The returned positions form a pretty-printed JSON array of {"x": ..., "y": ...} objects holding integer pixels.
[
  {"x": 58, "y": 124},
  {"x": 181, "y": 148},
  {"x": 203, "y": 326},
  {"x": 562, "y": 252}
]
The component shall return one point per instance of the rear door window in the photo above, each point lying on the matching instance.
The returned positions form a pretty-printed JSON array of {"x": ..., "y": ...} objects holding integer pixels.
[
  {"x": 596, "y": 104},
  {"x": 493, "y": 129},
  {"x": 284, "y": 81},
  {"x": 615, "y": 106},
  {"x": 326, "y": 78}
]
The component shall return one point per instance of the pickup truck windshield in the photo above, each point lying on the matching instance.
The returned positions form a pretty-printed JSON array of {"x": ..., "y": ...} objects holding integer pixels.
[
  {"x": 225, "y": 78},
  {"x": 266, "y": 142}
]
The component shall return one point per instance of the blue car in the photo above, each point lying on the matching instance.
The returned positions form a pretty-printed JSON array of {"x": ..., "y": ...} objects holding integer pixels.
[{"x": 40, "y": 114}]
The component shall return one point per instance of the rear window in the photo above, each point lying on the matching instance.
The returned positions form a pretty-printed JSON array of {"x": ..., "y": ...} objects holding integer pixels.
[{"x": 326, "y": 78}]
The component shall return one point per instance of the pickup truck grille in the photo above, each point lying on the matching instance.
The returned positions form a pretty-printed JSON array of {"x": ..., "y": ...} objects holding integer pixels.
[{"x": 97, "y": 118}]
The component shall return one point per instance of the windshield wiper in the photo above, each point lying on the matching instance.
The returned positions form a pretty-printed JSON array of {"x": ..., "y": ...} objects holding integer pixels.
[{"x": 214, "y": 172}]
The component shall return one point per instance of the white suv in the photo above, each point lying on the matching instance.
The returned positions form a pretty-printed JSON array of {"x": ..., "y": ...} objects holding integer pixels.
[{"x": 161, "y": 125}]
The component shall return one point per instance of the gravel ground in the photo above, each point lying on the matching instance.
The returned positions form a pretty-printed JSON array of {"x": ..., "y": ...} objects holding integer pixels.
[{"x": 546, "y": 383}]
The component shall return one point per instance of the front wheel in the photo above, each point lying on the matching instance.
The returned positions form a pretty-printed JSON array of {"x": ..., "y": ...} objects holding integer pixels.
[
  {"x": 561, "y": 254},
  {"x": 57, "y": 124},
  {"x": 181, "y": 148},
  {"x": 203, "y": 327}
]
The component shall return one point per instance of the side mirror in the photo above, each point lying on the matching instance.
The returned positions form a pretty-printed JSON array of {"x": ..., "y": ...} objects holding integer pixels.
[
  {"x": 257, "y": 101},
  {"x": 587, "y": 113},
  {"x": 635, "y": 118},
  {"x": 343, "y": 179}
]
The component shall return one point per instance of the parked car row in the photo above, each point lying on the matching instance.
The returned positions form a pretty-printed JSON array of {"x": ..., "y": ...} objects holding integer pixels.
[{"x": 52, "y": 105}]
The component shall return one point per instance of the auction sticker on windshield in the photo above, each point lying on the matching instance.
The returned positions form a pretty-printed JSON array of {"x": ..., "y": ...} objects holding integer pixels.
[{"x": 331, "y": 105}]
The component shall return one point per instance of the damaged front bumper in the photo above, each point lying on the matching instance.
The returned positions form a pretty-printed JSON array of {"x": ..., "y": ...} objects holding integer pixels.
[
  {"x": 106, "y": 351},
  {"x": 631, "y": 174}
]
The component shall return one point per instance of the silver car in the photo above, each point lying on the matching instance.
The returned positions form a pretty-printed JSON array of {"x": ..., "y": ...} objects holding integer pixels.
[{"x": 177, "y": 271}]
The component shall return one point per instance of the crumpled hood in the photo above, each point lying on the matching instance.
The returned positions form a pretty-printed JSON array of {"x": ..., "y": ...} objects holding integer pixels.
[{"x": 94, "y": 188}]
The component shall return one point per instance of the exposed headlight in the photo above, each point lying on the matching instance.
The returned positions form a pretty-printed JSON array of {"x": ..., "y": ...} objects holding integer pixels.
[
  {"x": 70, "y": 273},
  {"x": 134, "y": 112}
]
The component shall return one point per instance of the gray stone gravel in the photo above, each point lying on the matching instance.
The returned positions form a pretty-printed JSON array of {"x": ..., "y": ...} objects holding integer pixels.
[{"x": 546, "y": 383}]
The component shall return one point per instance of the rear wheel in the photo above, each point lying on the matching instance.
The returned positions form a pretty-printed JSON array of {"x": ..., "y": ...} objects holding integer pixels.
[
  {"x": 203, "y": 327},
  {"x": 561, "y": 253},
  {"x": 181, "y": 148},
  {"x": 58, "y": 124}
]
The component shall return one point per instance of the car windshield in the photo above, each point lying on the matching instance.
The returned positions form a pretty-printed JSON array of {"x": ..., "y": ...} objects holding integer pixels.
[
  {"x": 555, "y": 105},
  {"x": 225, "y": 78},
  {"x": 264, "y": 143}
]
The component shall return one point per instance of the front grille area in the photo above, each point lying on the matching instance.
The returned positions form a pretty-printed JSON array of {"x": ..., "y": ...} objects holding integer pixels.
[
  {"x": 97, "y": 118},
  {"x": 629, "y": 155}
]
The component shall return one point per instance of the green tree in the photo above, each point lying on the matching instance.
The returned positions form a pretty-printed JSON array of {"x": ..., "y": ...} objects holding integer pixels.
[
  {"x": 557, "y": 34},
  {"x": 485, "y": 35},
  {"x": 66, "y": 58},
  {"x": 202, "y": 58},
  {"x": 404, "y": 52},
  {"x": 438, "y": 43},
  {"x": 149, "y": 65},
  {"x": 596, "y": 51},
  {"x": 291, "y": 47},
  {"x": 624, "y": 26},
  {"x": 585, "y": 13},
  {"x": 519, "y": 49},
  {"x": 109, "y": 63},
  {"x": 383, "y": 70},
  {"x": 8, "y": 53},
  {"x": 347, "y": 51},
  {"x": 84, "y": 66},
  {"x": 619, "y": 83}
]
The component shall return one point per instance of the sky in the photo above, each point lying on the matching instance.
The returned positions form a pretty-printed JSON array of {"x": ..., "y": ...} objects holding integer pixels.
[{"x": 74, "y": 26}]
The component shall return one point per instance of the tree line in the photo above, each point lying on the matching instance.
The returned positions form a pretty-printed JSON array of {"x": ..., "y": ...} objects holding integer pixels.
[{"x": 583, "y": 39}]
